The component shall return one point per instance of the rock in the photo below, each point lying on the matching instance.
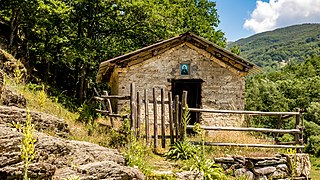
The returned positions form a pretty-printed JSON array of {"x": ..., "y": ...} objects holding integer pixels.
[
  {"x": 224, "y": 160},
  {"x": 270, "y": 162},
  {"x": 42, "y": 121},
  {"x": 299, "y": 164},
  {"x": 57, "y": 158},
  {"x": 9, "y": 98},
  {"x": 188, "y": 175},
  {"x": 240, "y": 172},
  {"x": 100, "y": 170},
  {"x": 264, "y": 170},
  {"x": 278, "y": 174},
  {"x": 244, "y": 173},
  {"x": 282, "y": 167},
  {"x": 262, "y": 177},
  {"x": 249, "y": 164},
  {"x": 240, "y": 159},
  {"x": 9, "y": 65}
]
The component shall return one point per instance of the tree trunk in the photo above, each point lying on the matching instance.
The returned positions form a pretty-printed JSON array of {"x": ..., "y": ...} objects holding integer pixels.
[
  {"x": 82, "y": 83},
  {"x": 14, "y": 23}
]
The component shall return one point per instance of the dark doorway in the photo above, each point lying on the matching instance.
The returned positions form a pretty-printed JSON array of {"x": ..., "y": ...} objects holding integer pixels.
[{"x": 193, "y": 86}]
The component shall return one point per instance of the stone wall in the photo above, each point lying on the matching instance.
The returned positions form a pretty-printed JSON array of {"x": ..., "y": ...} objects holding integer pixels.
[
  {"x": 221, "y": 88},
  {"x": 282, "y": 166}
]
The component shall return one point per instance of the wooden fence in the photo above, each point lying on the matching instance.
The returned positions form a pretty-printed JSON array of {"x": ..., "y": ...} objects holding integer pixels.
[
  {"x": 153, "y": 129},
  {"x": 297, "y": 131},
  {"x": 174, "y": 130}
]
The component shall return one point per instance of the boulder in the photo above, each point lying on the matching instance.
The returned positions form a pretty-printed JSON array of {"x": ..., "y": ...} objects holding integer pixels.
[
  {"x": 9, "y": 65},
  {"x": 58, "y": 158},
  {"x": 299, "y": 164},
  {"x": 42, "y": 121},
  {"x": 10, "y": 98}
]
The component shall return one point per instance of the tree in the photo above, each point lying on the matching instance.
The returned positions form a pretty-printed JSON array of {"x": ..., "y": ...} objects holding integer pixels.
[{"x": 63, "y": 42}]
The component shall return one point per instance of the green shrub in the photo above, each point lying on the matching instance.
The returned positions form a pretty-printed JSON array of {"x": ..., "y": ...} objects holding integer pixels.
[
  {"x": 181, "y": 150},
  {"x": 313, "y": 145},
  {"x": 121, "y": 137},
  {"x": 311, "y": 129},
  {"x": 209, "y": 168},
  {"x": 87, "y": 112},
  {"x": 136, "y": 155},
  {"x": 286, "y": 138}
]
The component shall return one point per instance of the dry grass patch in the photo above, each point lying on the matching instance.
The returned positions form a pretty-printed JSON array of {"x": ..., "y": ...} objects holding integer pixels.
[{"x": 236, "y": 137}]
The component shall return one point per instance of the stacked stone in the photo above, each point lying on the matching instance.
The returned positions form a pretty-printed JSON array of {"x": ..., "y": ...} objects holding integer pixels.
[{"x": 284, "y": 166}]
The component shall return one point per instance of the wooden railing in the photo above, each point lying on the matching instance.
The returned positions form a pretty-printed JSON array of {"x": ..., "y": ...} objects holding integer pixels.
[{"x": 297, "y": 131}]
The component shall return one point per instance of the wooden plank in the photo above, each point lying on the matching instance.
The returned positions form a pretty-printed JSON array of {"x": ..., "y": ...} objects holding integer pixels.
[
  {"x": 102, "y": 111},
  {"x": 176, "y": 116},
  {"x": 163, "y": 125},
  {"x": 283, "y": 131},
  {"x": 183, "y": 105},
  {"x": 138, "y": 115},
  {"x": 171, "y": 118},
  {"x": 286, "y": 143},
  {"x": 155, "y": 116},
  {"x": 115, "y": 97},
  {"x": 247, "y": 145},
  {"x": 133, "y": 108},
  {"x": 242, "y": 112},
  {"x": 146, "y": 115},
  {"x": 109, "y": 108},
  {"x": 107, "y": 113},
  {"x": 297, "y": 126},
  {"x": 248, "y": 120},
  {"x": 99, "y": 98}
]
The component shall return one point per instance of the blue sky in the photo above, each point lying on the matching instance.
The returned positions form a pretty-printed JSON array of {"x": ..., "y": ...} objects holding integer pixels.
[{"x": 243, "y": 18}]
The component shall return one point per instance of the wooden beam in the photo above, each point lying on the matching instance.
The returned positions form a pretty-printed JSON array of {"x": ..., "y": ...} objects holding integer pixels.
[
  {"x": 155, "y": 116},
  {"x": 283, "y": 131},
  {"x": 246, "y": 145},
  {"x": 171, "y": 118},
  {"x": 242, "y": 112},
  {"x": 146, "y": 115},
  {"x": 107, "y": 113},
  {"x": 103, "y": 97},
  {"x": 163, "y": 125}
]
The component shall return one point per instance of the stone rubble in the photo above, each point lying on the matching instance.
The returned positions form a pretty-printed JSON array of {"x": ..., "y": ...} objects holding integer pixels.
[{"x": 281, "y": 166}]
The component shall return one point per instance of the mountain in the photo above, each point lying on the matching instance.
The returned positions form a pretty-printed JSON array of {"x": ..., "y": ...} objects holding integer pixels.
[{"x": 280, "y": 46}]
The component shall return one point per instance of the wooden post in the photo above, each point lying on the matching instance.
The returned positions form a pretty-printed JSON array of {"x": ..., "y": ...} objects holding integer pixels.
[
  {"x": 176, "y": 117},
  {"x": 132, "y": 108},
  {"x": 109, "y": 108},
  {"x": 183, "y": 105},
  {"x": 297, "y": 136},
  {"x": 163, "y": 125},
  {"x": 170, "y": 118},
  {"x": 248, "y": 120},
  {"x": 155, "y": 114},
  {"x": 279, "y": 123},
  {"x": 301, "y": 125},
  {"x": 138, "y": 115},
  {"x": 146, "y": 114}
]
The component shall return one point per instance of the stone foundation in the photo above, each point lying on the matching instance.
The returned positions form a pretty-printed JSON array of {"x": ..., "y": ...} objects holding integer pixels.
[{"x": 284, "y": 166}]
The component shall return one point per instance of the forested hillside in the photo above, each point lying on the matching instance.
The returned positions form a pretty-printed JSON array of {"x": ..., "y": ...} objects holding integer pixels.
[
  {"x": 293, "y": 86},
  {"x": 63, "y": 42},
  {"x": 278, "y": 47}
]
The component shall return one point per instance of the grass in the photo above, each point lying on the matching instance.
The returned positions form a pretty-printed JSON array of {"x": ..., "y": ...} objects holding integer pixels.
[
  {"x": 315, "y": 167},
  {"x": 37, "y": 100}
]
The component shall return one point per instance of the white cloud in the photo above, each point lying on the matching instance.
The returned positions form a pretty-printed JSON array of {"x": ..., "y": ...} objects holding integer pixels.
[{"x": 280, "y": 13}]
